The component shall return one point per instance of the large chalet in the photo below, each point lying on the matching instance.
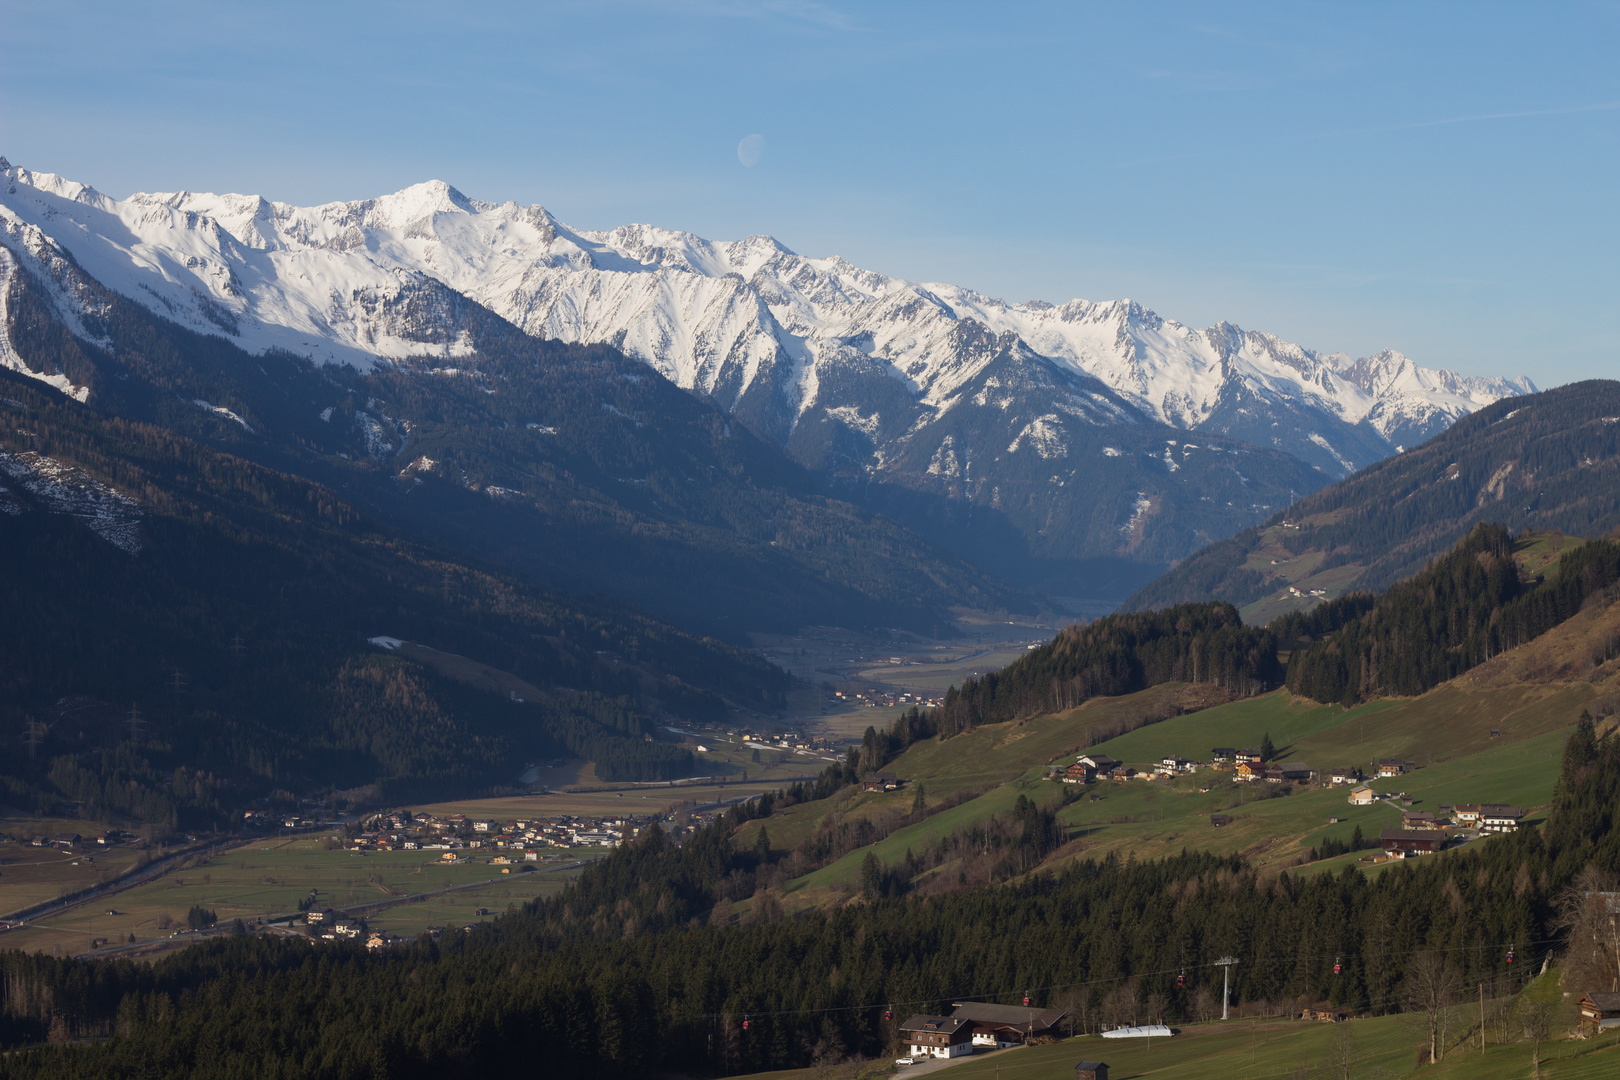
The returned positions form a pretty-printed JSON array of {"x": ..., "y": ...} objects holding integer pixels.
[{"x": 1006, "y": 1025}]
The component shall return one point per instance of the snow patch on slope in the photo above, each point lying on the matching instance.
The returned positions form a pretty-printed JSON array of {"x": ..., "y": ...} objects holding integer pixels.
[
  {"x": 68, "y": 489},
  {"x": 9, "y": 357},
  {"x": 222, "y": 411},
  {"x": 1045, "y": 436}
]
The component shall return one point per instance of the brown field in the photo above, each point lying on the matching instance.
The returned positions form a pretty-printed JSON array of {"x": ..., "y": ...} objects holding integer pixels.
[
  {"x": 31, "y": 874},
  {"x": 623, "y": 801},
  {"x": 269, "y": 876}
]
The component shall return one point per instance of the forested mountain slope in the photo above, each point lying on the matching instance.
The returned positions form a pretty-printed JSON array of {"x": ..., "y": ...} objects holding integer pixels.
[
  {"x": 572, "y": 465},
  {"x": 1546, "y": 462},
  {"x": 1472, "y": 604},
  {"x": 185, "y": 631}
]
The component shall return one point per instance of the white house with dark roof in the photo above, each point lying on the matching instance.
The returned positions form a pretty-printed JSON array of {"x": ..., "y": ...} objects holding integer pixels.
[{"x": 938, "y": 1036}]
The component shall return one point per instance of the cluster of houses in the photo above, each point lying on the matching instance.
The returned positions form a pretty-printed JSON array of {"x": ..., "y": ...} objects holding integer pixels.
[
  {"x": 1421, "y": 832},
  {"x": 874, "y": 697},
  {"x": 1425, "y": 833},
  {"x": 1245, "y": 765},
  {"x": 516, "y": 840},
  {"x": 290, "y": 819},
  {"x": 778, "y": 740},
  {"x": 327, "y": 924},
  {"x": 69, "y": 841}
]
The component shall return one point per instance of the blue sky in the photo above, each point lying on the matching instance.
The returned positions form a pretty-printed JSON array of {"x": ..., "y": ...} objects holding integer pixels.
[{"x": 1436, "y": 178}]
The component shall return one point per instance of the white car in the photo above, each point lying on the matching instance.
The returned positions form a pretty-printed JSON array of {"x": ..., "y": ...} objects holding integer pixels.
[{"x": 905, "y": 1061}]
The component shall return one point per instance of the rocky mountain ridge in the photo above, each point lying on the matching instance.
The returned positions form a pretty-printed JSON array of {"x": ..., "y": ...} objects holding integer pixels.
[{"x": 991, "y": 420}]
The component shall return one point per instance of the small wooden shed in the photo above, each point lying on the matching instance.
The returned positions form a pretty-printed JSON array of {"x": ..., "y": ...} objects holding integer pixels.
[
  {"x": 1599, "y": 1012},
  {"x": 1091, "y": 1070}
]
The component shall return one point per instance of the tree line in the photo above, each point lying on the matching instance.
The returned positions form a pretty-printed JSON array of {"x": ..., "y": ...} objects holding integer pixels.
[
  {"x": 1120, "y": 654},
  {"x": 1459, "y": 612}
]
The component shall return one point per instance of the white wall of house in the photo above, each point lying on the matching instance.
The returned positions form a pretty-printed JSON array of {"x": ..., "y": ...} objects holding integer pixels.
[{"x": 953, "y": 1050}]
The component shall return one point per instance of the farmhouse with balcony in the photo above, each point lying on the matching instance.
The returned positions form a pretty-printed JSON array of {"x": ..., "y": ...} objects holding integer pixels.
[
  {"x": 1079, "y": 773},
  {"x": 1499, "y": 819},
  {"x": 938, "y": 1036}
]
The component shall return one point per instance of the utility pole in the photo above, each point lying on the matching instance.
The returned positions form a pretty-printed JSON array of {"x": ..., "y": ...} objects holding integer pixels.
[
  {"x": 135, "y": 723},
  {"x": 34, "y": 733},
  {"x": 1225, "y": 963},
  {"x": 1482, "y": 1017}
]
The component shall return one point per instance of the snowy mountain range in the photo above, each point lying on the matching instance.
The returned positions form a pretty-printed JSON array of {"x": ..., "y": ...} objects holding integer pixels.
[{"x": 900, "y": 390}]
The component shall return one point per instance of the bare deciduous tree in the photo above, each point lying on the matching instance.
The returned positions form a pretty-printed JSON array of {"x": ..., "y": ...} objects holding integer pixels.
[
  {"x": 1157, "y": 1003},
  {"x": 1589, "y": 911},
  {"x": 1536, "y": 1014},
  {"x": 1342, "y": 1050},
  {"x": 1204, "y": 1006},
  {"x": 1431, "y": 985},
  {"x": 1075, "y": 1001},
  {"x": 1123, "y": 1005}
]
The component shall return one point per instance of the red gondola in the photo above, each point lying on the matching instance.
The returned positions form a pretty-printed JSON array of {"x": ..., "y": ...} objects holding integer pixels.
[
  {"x": 888, "y": 1014},
  {"x": 1181, "y": 979},
  {"x": 745, "y": 1023},
  {"x": 1510, "y": 954},
  {"x": 1026, "y": 999},
  {"x": 1338, "y": 968}
]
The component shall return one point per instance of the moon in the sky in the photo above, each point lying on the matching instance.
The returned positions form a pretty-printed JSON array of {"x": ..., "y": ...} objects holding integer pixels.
[{"x": 750, "y": 150}]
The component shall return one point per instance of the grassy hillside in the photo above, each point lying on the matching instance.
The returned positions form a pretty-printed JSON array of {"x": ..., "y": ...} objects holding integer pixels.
[
  {"x": 1529, "y": 696},
  {"x": 1378, "y": 1046}
]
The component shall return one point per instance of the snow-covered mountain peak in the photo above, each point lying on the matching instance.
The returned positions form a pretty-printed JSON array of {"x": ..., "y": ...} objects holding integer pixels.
[
  {"x": 747, "y": 320},
  {"x": 59, "y": 186}
]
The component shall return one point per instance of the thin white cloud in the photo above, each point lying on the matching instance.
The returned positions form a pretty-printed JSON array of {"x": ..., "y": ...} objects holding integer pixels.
[{"x": 1601, "y": 106}]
